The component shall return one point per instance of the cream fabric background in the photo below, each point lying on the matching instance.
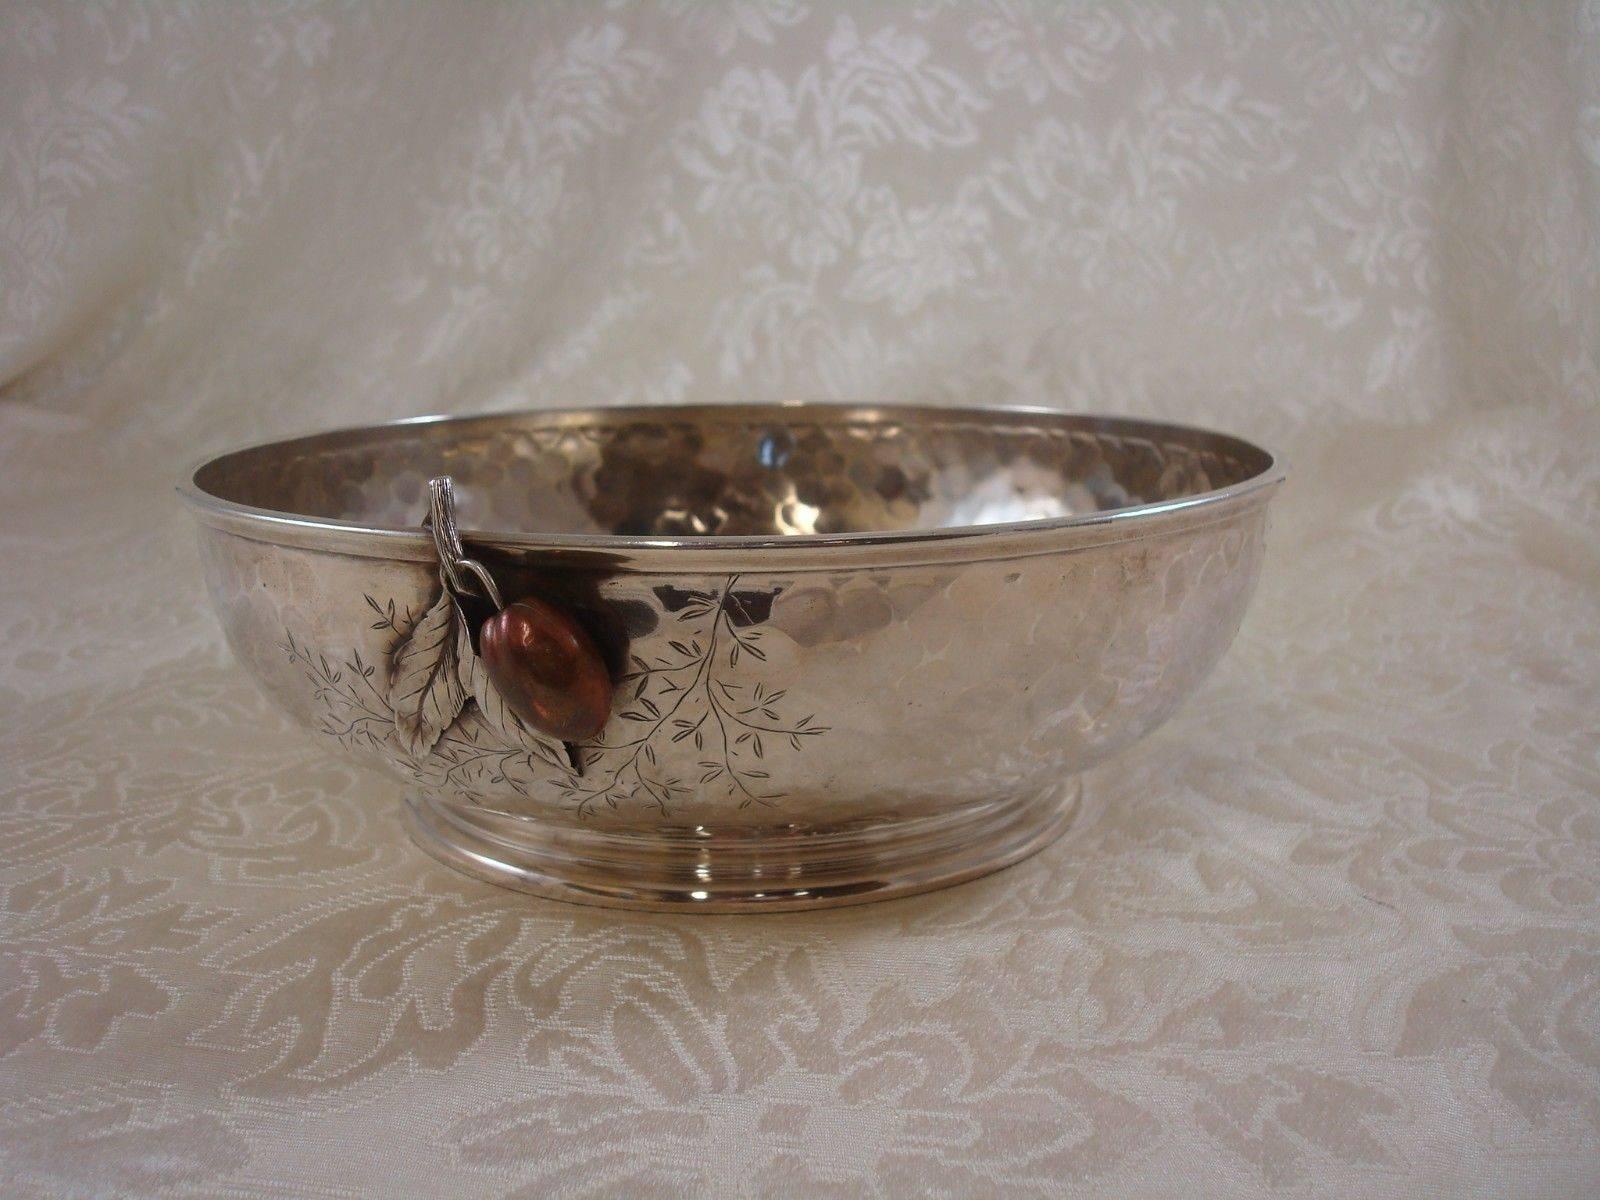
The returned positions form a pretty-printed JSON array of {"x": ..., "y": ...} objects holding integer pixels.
[{"x": 1334, "y": 930}]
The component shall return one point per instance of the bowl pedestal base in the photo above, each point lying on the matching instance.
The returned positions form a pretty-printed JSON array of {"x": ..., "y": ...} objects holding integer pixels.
[{"x": 692, "y": 870}]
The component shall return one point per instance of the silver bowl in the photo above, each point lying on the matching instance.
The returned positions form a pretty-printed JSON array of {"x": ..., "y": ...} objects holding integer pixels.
[{"x": 857, "y": 652}]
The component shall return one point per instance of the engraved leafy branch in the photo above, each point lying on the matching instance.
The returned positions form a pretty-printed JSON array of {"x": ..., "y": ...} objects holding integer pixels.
[
  {"x": 680, "y": 696},
  {"x": 357, "y": 714},
  {"x": 436, "y": 703},
  {"x": 437, "y": 706}
]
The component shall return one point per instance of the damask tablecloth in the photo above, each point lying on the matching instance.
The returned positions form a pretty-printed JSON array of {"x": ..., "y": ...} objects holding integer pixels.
[{"x": 1334, "y": 930}]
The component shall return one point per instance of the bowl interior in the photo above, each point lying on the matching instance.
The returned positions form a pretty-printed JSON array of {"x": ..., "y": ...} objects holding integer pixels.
[{"x": 736, "y": 470}]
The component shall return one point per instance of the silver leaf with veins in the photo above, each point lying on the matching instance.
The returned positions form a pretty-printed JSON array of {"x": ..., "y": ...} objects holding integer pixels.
[{"x": 425, "y": 687}]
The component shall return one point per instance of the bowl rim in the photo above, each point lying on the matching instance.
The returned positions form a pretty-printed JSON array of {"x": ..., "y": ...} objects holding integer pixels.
[{"x": 999, "y": 540}]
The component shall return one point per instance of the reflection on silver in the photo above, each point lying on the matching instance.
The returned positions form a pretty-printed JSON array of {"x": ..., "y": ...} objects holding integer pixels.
[{"x": 858, "y": 651}]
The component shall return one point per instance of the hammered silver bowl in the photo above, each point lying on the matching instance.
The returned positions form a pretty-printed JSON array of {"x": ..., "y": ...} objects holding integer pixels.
[{"x": 857, "y": 652}]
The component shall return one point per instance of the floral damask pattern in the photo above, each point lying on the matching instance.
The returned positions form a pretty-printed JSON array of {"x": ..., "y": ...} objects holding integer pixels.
[{"x": 1330, "y": 931}]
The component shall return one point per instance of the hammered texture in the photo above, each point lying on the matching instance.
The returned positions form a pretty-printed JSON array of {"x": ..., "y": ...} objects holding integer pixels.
[
  {"x": 1332, "y": 930},
  {"x": 625, "y": 473},
  {"x": 865, "y": 693}
]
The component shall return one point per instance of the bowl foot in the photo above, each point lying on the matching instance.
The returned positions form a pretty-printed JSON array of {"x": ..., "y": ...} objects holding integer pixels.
[{"x": 692, "y": 870}]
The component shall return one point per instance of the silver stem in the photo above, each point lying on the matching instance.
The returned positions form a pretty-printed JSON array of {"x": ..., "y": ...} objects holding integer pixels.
[{"x": 454, "y": 565}]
